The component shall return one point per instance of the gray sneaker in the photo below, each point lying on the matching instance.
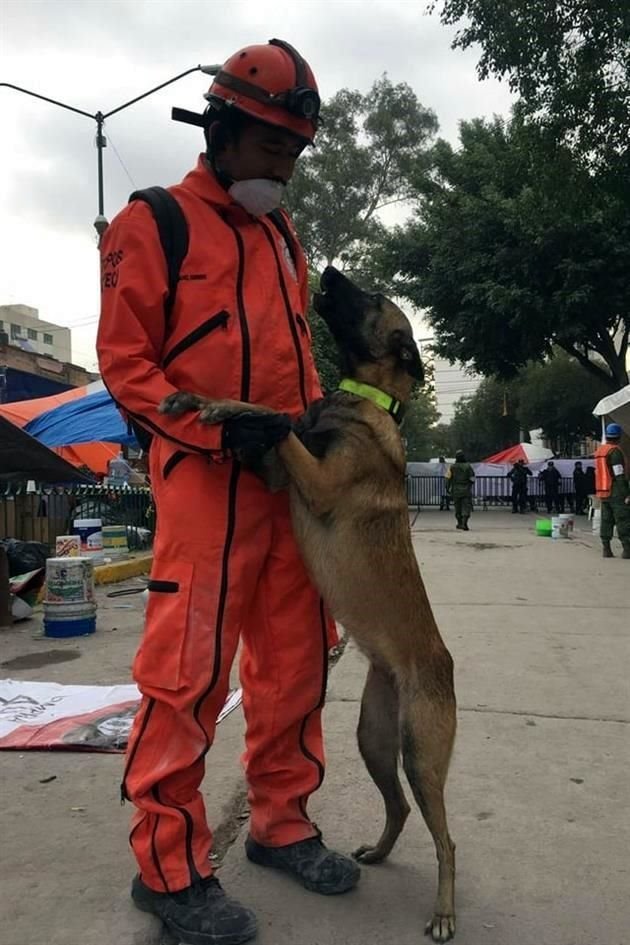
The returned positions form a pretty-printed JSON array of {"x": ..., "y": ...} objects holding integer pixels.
[
  {"x": 202, "y": 914},
  {"x": 310, "y": 862}
]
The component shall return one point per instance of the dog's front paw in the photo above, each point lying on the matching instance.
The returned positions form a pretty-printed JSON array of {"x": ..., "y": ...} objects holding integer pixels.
[
  {"x": 180, "y": 402},
  {"x": 368, "y": 854},
  {"x": 441, "y": 928}
]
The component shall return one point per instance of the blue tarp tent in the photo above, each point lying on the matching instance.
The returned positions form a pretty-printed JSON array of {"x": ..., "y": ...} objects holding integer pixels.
[{"x": 89, "y": 419}]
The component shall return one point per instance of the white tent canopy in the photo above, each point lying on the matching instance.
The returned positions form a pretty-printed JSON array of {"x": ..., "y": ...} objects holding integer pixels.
[{"x": 616, "y": 408}]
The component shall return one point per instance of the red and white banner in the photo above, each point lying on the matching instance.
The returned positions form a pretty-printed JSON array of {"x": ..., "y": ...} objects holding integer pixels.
[{"x": 74, "y": 718}]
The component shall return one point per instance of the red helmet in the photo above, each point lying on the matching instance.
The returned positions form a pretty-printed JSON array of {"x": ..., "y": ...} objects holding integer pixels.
[{"x": 271, "y": 83}]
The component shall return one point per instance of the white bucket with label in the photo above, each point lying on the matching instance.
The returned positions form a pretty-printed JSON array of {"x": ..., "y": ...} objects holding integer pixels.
[
  {"x": 69, "y": 600},
  {"x": 90, "y": 532},
  {"x": 115, "y": 541},
  {"x": 69, "y": 580},
  {"x": 558, "y": 528},
  {"x": 568, "y": 520},
  {"x": 67, "y": 546}
]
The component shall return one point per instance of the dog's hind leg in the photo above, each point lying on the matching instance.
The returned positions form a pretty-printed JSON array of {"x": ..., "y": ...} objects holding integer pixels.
[
  {"x": 379, "y": 745},
  {"x": 428, "y": 725}
]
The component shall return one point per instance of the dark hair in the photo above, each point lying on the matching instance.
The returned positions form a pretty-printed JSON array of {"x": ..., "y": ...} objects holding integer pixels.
[{"x": 227, "y": 125}]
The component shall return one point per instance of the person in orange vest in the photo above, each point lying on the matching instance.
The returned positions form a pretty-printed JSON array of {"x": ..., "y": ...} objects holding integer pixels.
[
  {"x": 611, "y": 480},
  {"x": 226, "y": 565}
]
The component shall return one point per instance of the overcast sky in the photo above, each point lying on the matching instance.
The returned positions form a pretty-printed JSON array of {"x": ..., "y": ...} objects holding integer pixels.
[{"x": 97, "y": 54}]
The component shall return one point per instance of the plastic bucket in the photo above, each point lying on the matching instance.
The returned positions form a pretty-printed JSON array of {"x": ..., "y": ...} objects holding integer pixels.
[
  {"x": 69, "y": 627},
  {"x": 543, "y": 527},
  {"x": 558, "y": 528},
  {"x": 115, "y": 541},
  {"x": 90, "y": 532},
  {"x": 69, "y": 581},
  {"x": 67, "y": 546},
  {"x": 567, "y": 519},
  {"x": 69, "y": 611}
]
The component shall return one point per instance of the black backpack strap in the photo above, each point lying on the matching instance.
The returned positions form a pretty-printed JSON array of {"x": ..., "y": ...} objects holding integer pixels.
[
  {"x": 278, "y": 220},
  {"x": 173, "y": 232}
]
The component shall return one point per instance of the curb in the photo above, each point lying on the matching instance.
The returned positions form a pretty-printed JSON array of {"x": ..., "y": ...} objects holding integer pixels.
[{"x": 122, "y": 570}]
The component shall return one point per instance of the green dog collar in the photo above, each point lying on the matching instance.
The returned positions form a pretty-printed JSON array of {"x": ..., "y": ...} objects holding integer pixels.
[{"x": 393, "y": 407}]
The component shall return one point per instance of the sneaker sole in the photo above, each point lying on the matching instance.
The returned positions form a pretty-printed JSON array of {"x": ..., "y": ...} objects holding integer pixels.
[
  {"x": 322, "y": 889},
  {"x": 187, "y": 937}
]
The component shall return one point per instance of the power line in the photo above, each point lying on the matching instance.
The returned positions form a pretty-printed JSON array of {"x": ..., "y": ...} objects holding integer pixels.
[{"x": 122, "y": 163}]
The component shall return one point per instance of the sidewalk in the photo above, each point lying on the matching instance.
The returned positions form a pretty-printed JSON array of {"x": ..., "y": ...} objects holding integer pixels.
[{"x": 539, "y": 631}]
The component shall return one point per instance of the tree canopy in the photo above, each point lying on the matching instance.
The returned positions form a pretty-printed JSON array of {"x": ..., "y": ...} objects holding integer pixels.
[
  {"x": 367, "y": 150},
  {"x": 511, "y": 254},
  {"x": 556, "y": 397},
  {"x": 569, "y": 60}
]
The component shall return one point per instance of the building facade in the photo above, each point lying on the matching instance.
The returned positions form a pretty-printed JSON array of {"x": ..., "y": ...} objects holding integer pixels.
[
  {"x": 26, "y": 330},
  {"x": 25, "y": 374},
  {"x": 451, "y": 382}
]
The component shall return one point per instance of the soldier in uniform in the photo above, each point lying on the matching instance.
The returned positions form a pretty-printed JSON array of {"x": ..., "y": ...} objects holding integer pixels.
[
  {"x": 460, "y": 479},
  {"x": 611, "y": 478}
]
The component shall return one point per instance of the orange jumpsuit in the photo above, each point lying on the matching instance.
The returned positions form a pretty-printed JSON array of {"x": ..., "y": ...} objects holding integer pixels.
[{"x": 226, "y": 566}]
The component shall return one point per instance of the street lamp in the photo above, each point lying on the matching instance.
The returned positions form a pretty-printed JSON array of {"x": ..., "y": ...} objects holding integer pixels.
[{"x": 101, "y": 223}]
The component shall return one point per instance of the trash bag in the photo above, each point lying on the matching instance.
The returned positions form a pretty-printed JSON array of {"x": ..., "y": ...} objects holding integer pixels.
[{"x": 25, "y": 555}]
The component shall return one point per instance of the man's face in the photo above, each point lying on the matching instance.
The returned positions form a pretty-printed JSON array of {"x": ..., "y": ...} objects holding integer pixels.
[{"x": 261, "y": 151}]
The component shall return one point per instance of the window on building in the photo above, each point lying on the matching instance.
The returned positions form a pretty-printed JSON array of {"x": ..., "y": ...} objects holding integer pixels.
[
  {"x": 48, "y": 339},
  {"x": 16, "y": 331},
  {"x": 32, "y": 334}
]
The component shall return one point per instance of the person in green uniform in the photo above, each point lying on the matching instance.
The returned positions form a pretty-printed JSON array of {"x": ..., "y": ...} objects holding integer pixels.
[
  {"x": 613, "y": 489},
  {"x": 459, "y": 481}
]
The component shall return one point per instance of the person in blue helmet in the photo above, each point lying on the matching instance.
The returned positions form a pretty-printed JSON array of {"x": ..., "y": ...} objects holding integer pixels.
[{"x": 611, "y": 478}]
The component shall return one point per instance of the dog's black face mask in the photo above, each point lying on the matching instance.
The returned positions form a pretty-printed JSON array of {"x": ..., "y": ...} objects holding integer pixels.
[{"x": 366, "y": 326}]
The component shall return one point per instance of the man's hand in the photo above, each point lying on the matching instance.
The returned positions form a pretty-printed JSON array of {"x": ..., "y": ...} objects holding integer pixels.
[
  {"x": 257, "y": 432},
  {"x": 627, "y": 500}
]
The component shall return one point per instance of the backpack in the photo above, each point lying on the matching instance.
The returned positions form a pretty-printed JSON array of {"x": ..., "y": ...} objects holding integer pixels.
[{"x": 173, "y": 232}]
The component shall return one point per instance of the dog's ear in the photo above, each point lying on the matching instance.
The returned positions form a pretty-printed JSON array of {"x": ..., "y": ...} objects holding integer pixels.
[{"x": 406, "y": 351}]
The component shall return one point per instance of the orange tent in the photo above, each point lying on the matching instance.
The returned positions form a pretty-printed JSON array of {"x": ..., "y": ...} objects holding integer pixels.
[{"x": 93, "y": 455}]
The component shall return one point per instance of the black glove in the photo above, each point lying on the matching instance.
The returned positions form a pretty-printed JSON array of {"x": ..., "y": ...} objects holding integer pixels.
[{"x": 255, "y": 432}]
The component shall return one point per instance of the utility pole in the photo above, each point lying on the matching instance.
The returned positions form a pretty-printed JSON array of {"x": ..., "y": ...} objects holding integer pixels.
[{"x": 101, "y": 222}]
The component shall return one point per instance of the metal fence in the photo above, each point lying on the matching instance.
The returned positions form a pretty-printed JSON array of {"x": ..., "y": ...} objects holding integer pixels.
[
  {"x": 44, "y": 513},
  {"x": 488, "y": 491}
]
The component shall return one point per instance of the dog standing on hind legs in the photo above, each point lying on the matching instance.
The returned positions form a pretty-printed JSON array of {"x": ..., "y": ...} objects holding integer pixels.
[{"x": 344, "y": 465}]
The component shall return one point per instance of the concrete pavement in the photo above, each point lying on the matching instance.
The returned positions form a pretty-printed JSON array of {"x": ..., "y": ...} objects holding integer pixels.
[
  {"x": 537, "y": 798},
  {"x": 539, "y": 631}
]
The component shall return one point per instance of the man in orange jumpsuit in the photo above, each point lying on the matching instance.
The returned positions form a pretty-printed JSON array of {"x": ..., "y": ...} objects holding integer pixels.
[{"x": 226, "y": 566}]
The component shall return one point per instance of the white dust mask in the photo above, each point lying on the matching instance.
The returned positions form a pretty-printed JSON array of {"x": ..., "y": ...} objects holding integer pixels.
[{"x": 258, "y": 195}]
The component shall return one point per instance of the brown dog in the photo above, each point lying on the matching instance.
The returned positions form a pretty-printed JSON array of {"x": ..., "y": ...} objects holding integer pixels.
[{"x": 346, "y": 465}]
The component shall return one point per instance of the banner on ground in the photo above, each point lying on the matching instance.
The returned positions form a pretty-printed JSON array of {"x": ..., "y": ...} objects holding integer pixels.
[{"x": 73, "y": 718}]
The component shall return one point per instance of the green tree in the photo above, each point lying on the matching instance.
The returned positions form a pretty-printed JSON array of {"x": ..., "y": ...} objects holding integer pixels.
[
  {"x": 569, "y": 60},
  {"x": 511, "y": 254},
  {"x": 442, "y": 440},
  {"x": 367, "y": 150},
  {"x": 420, "y": 416},
  {"x": 558, "y": 397},
  {"x": 486, "y": 422}
]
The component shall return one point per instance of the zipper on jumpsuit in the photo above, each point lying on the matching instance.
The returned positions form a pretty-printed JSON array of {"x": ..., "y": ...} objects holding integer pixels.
[{"x": 289, "y": 311}]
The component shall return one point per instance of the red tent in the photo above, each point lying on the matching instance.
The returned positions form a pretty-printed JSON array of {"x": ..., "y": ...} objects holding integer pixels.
[{"x": 527, "y": 451}]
